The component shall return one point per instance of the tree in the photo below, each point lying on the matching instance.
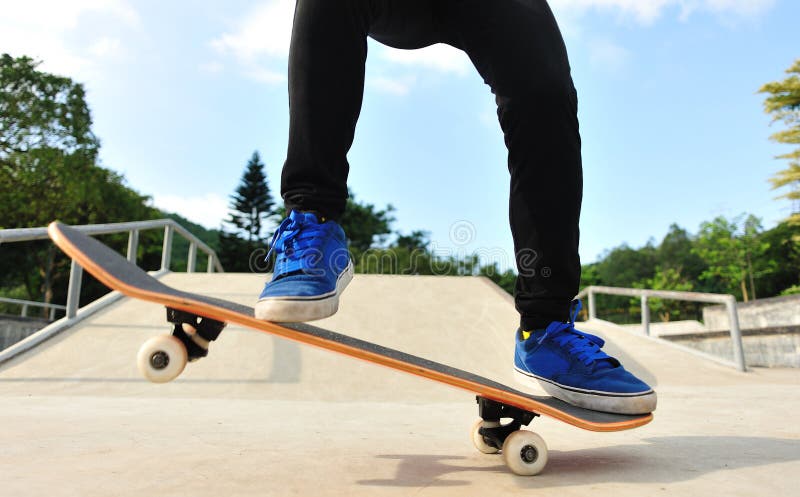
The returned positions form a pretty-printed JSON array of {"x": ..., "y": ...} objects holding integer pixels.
[
  {"x": 623, "y": 265},
  {"x": 252, "y": 203},
  {"x": 667, "y": 279},
  {"x": 48, "y": 170},
  {"x": 41, "y": 110},
  {"x": 675, "y": 252},
  {"x": 783, "y": 103},
  {"x": 729, "y": 248},
  {"x": 364, "y": 224},
  {"x": 783, "y": 255}
]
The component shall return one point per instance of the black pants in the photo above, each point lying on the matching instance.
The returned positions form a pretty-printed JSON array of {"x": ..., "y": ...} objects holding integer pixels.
[{"x": 517, "y": 48}]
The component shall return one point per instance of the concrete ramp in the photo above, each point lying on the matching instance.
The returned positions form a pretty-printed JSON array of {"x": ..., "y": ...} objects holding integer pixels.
[{"x": 266, "y": 416}]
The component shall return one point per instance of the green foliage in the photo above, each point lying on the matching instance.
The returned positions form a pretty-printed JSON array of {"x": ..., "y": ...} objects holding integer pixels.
[
  {"x": 783, "y": 103},
  {"x": 238, "y": 255},
  {"x": 42, "y": 111},
  {"x": 252, "y": 204},
  {"x": 364, "y": 224},
  {"x": 666, "y": 279},
  {"x": 623, "y": 265},
  {"x": 729, "y": 248},
  {"x": 48, "y": 170},
  {"x": 180, "y": 246},
  {"x": 726, "y": 256},
  {"x": 792, "y": 290},
  {"x": 783, "y": 257},
  {"x": 506, "y": 280},
  {"x": 675, "y": 252}
]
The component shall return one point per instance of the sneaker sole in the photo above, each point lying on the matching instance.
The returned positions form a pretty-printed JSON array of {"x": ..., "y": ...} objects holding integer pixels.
[
  {"x": 302, "y": 309},
  {"x": 639, "y": 403}
]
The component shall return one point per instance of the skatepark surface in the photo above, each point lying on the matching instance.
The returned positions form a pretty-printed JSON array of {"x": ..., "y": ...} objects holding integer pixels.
[{"x": 266, "y": 416}]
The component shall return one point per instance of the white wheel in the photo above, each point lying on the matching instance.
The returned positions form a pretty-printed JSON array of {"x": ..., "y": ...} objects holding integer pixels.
[
  {"x": 162, "y": 358},
  {"x": 477, "y": 438},
  {"x": 525, "y": 453}
]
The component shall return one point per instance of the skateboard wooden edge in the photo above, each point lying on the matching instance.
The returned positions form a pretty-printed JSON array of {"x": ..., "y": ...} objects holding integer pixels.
[{"x": 226, "y": 315}]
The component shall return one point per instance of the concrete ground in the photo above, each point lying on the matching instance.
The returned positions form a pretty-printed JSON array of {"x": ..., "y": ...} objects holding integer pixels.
[{"x": 264, "y": 416}]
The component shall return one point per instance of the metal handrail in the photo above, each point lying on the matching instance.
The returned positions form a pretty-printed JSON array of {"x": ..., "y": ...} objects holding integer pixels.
[
  {"x": 714, "y": 298},
  {"x": 30, "y": 303},
  {"x": 133, "y": 229}
]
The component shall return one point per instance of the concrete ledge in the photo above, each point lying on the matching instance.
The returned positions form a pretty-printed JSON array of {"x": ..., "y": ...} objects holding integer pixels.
[
  {"x": 772, "y": 347},
  {"x": 16, "y": 328},
  {"x": 771, "y": 330},
  {"x": 759, "y": 313}
]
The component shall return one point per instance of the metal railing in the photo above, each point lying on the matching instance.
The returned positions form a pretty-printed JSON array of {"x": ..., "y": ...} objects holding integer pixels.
[
  {"x": 713, "y": 298},
  {"x": 132, "y": 228},
  {"x": 26, "y": 304}
]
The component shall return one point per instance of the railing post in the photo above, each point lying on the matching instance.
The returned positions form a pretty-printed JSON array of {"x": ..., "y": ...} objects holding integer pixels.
[
  {"x": 166, "y": 251},
  {"x": 52, "y": 314},
  {"x": 24, "y": 312},
  {"x": 190, "y": 264},
  {"x": 736, "y": 335},
  {"x": 590, "y": 298},
  {"x": 74, "y": 289},
  {"x": 210, "y": 268},
  {"x": 133, "y": 245},
  {"x": 645, "y": 316}
]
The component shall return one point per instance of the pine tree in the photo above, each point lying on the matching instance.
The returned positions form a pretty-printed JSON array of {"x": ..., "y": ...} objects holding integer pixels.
[{"x": 252, "y": 203}]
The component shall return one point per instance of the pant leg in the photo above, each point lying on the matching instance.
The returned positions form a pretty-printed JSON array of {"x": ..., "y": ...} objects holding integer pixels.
[
  {"x": 518, "y": 49},
  {"x": 326, "y": 85}
]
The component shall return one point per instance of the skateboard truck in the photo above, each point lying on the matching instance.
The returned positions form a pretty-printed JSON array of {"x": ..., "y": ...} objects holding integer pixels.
[
  {"x": 196, "y": 332},
  {"x": 495, "y": 433}
]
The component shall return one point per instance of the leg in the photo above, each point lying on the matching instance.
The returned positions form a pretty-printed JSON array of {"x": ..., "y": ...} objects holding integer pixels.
[
  {"x": 326, "y": 84},
  {"x": 517, "y": 47},
  {"x": 518, "y": 50}
]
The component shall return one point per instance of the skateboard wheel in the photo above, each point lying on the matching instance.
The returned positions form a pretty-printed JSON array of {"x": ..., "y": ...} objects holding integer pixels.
[
  {"x": 477, "y": 438},
  {"x": 525, "y": 453},
  {"x": 162, "y": 358}
]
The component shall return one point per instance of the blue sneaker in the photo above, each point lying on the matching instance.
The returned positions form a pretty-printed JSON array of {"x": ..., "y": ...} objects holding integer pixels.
[
  {"x": 312, "y": 268},
  {"x": 570, "y": 365}
]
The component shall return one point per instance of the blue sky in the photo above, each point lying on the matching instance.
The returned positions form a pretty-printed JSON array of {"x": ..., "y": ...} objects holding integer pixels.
[{"x": 673, "y": 130}]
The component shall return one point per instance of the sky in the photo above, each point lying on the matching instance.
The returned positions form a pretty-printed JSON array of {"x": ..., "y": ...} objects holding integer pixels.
[{"x": 673, "y": 127}]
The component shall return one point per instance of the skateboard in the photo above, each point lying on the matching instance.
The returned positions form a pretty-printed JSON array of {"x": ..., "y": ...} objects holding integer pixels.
[{"x": 197, "y": 320}]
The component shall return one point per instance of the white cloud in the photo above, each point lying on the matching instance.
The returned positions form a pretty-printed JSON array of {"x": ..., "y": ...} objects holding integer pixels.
[
  {"x": 209, "y": 209},
  {"x": 440, "y": 57},
  {"x": 647, "y": 11},
  {"x": 263, "y": 37},
  {"x": 266, "y": 76},
  {"x": 644, "y": 11},
  {"x": 211, "y": 67},
  {"x": 263, "y": 34},
  {"x": 41, "y": 29},
  {"x": 740, "y": 8},
  {"x": 105, "y": 47},
  {"x": 398, "y": 87},
  {"x": 265, "y": 31},
  {"x": 608, "y": 55}
]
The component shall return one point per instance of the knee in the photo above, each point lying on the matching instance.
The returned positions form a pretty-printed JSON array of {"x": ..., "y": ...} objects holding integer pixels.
[
  {"x": 539, "y": 98},
  {"x": 359, "y": 11}
]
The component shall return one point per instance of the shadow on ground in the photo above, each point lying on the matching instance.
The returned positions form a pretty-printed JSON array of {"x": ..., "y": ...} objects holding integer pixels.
[{"x": 660, "y": 460}]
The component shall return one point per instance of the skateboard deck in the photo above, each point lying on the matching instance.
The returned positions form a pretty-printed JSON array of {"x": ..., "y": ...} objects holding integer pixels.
[{"x": 495, "y": 399}]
